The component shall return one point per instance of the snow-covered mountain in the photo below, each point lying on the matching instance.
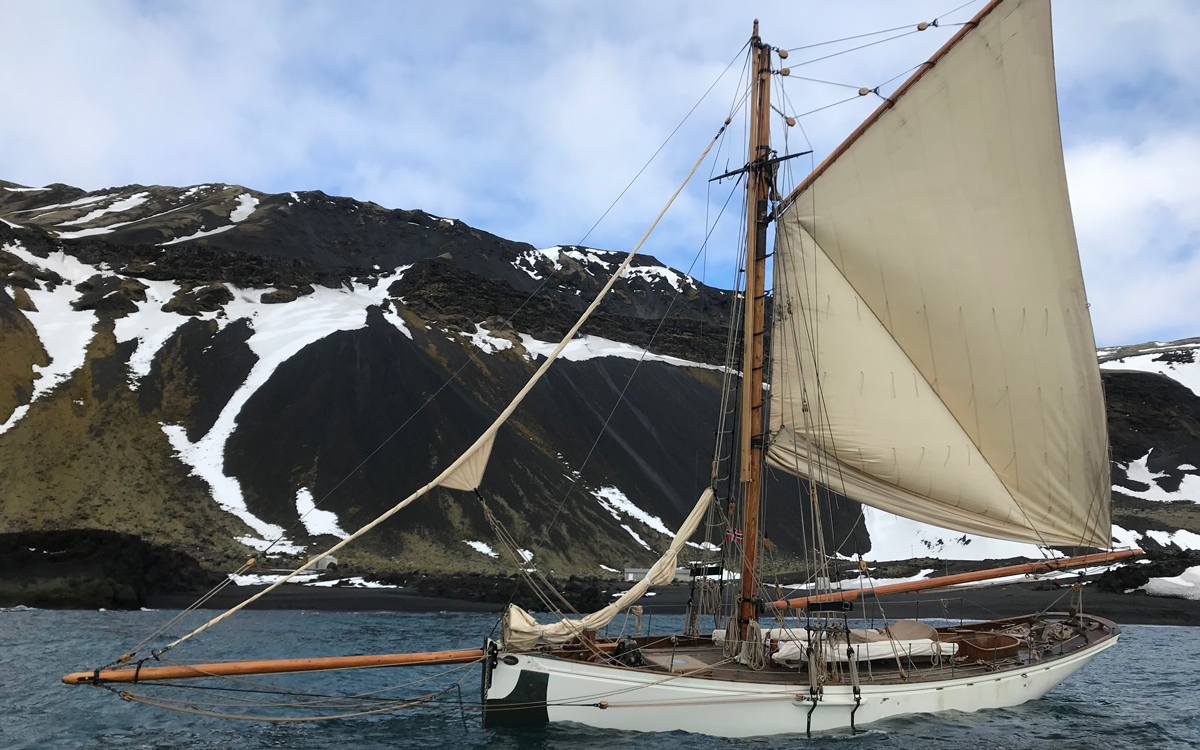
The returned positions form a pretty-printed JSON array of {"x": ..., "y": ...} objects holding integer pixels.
[
  {"x": 205, "y": 366},
  {"x": 1153, "y": 393},
  {"x": 213, "y": 367}
]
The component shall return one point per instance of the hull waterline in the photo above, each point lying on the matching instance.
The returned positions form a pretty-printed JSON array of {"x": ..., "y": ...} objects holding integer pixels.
[{"x": 528, "y": 689}]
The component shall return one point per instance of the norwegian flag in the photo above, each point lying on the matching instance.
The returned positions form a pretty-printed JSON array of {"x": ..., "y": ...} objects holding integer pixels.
[
  {"x": 729, "y": 533},
  {"x": 737, "y": 536}
]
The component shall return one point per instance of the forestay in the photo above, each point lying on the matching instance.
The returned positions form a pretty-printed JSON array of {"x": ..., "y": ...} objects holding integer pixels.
[{"x": 930, "y": 307}]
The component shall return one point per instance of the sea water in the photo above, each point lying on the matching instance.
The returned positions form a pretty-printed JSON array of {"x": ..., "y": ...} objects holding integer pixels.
[{"x": 1144, "y": 693}]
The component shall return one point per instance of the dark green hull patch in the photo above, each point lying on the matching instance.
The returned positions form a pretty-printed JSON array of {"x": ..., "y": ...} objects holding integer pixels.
[{"x": 525, "y": 706}]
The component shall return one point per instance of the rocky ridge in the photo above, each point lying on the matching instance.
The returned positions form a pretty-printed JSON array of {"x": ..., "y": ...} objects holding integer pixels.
[
  {"x": 218, "y": 344},
  {"x": 230, "y": 357}
]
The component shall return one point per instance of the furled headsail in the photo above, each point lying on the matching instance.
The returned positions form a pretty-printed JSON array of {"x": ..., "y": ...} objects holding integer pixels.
[{"x": 933, "y": 355}]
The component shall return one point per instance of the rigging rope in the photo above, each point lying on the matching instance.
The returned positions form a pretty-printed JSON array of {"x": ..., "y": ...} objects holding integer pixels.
[{"x": 489, "y": 434}]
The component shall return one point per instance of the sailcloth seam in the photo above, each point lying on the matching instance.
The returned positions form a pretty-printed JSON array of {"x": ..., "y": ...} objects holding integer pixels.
[
  {"x": 871, "y": 311},
  {"x": 887, "y": 105}
]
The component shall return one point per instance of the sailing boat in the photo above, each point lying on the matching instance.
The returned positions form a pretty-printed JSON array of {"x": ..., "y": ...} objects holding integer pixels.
[{"x": 931, "y": 356}]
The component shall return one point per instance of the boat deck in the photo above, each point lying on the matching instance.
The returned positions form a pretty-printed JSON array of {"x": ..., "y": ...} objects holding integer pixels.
[{"x": 982, "y": 648}]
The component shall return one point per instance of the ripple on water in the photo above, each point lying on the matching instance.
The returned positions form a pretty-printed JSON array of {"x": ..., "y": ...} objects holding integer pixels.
[{"x": 1138, "y": 695}]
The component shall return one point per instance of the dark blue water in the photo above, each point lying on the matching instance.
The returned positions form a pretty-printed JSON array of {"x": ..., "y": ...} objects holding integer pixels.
[{"x": 1144, "y": 693}]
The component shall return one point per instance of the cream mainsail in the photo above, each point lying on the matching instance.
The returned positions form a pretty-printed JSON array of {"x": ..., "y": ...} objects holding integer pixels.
[{"x": 932, "y": 352}]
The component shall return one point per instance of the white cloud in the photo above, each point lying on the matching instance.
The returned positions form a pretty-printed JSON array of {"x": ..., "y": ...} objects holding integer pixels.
[
  {"x": 524, "y": 119},
  {"x": 1137, "y": 218}
]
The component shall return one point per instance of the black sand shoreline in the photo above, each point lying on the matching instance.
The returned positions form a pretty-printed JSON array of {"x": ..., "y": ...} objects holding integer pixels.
[{"x": 969, "y": 604}]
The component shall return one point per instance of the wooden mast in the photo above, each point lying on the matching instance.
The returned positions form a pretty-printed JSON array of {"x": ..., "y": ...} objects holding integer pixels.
[{"x": 757, "y": 191}]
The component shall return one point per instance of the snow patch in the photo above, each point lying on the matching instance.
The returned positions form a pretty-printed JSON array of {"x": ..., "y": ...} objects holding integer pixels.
[
  {"x": 64, "y": 332},
  {"x": 124, "y": 204},
  {"x": 618, "y": 504},
  {"x": 897, "y": 538},
  {"x": 14, "y": 226},
  {"x": 80, "y": 202},
  {"x": 24, "y": 189},
  {"x": 583, "y": 348},
  {"x": 317, "y": 522},
  {"x": 652, "y": 274},
  {"x": 1125, "y": 537},
  {"x": 355, "y": 582},
  {"x": 1184, "y": 539},
  {"x": 197, "y": 235},
  {"x": 390, "y": 313},
  {"x": 481, "y": 547},
  {"x": 280, "y": 332},
  {"x": 486, "y": 342},
  {"x": 1186, "y": 585},
  {"x": 527, "y": 261},
  {"x": 636, "y": 537},
  {"x": 1185, "y": 373},
  {"x": 207, "y": 460},
  {"x": 257, "y": 579},
  {"x": 107, "y": 229},
  {"x": 610, "y": 570},
  {"x": 589, "y": 256},
  {"x": 1139, "y": 471},
  {"x": 150, "y": 325},
  {"x": 246, "y": 204},
  {"x": 14, "y": 418}
]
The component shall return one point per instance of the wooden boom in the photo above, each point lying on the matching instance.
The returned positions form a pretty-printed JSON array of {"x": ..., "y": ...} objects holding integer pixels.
[
  {"x": 957, "y": 578},
  {"x": 271, "y": 666}
]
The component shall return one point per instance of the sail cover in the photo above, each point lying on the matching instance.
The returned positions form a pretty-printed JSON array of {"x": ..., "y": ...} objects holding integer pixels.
[{"x": 933, "y": 355}]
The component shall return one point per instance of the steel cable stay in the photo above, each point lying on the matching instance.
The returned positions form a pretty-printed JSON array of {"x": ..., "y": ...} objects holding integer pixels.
[
  {"x": 918, "y": 26},
  {"x": 811, "y": 423},
  {"x": 472, "y": 358},
  {"x": 513, "y": 545},
  {"x": 578, "y": 471},
  {"x": 495, "y": 426},
  {"x": 510, "y": 544},
  {"x": 308, "y": 701}
]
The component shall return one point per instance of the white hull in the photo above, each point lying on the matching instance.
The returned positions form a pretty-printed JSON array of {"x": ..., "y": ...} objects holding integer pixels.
[{"x": 646, "y": 701}]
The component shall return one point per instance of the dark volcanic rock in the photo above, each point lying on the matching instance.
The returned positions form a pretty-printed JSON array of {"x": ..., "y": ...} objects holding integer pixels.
[
  {"x": 90, "y": 569},
  {"x": 438, "y": 289},
  {"x": 193, "y": 299},
  {"x": 362, "y": 416},
  {"x": 110, "y": 296},
  {"x": 584, "y": 593},
  {"x": 1160, "y": 565},
  {"x": 196, "y": 372},
  {"x": 278, "y": 296},
  {"x": 1152, "y": 414}
]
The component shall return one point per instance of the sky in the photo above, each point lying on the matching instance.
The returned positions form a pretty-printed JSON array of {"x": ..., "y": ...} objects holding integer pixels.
[{"x": 528, "y": 119}]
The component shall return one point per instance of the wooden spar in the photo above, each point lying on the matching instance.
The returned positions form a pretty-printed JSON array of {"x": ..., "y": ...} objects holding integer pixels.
[
  {"x": 757, "y": 191},
  {"x": 272, "y": 666},
  {"x": 957, "y": 578}
]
